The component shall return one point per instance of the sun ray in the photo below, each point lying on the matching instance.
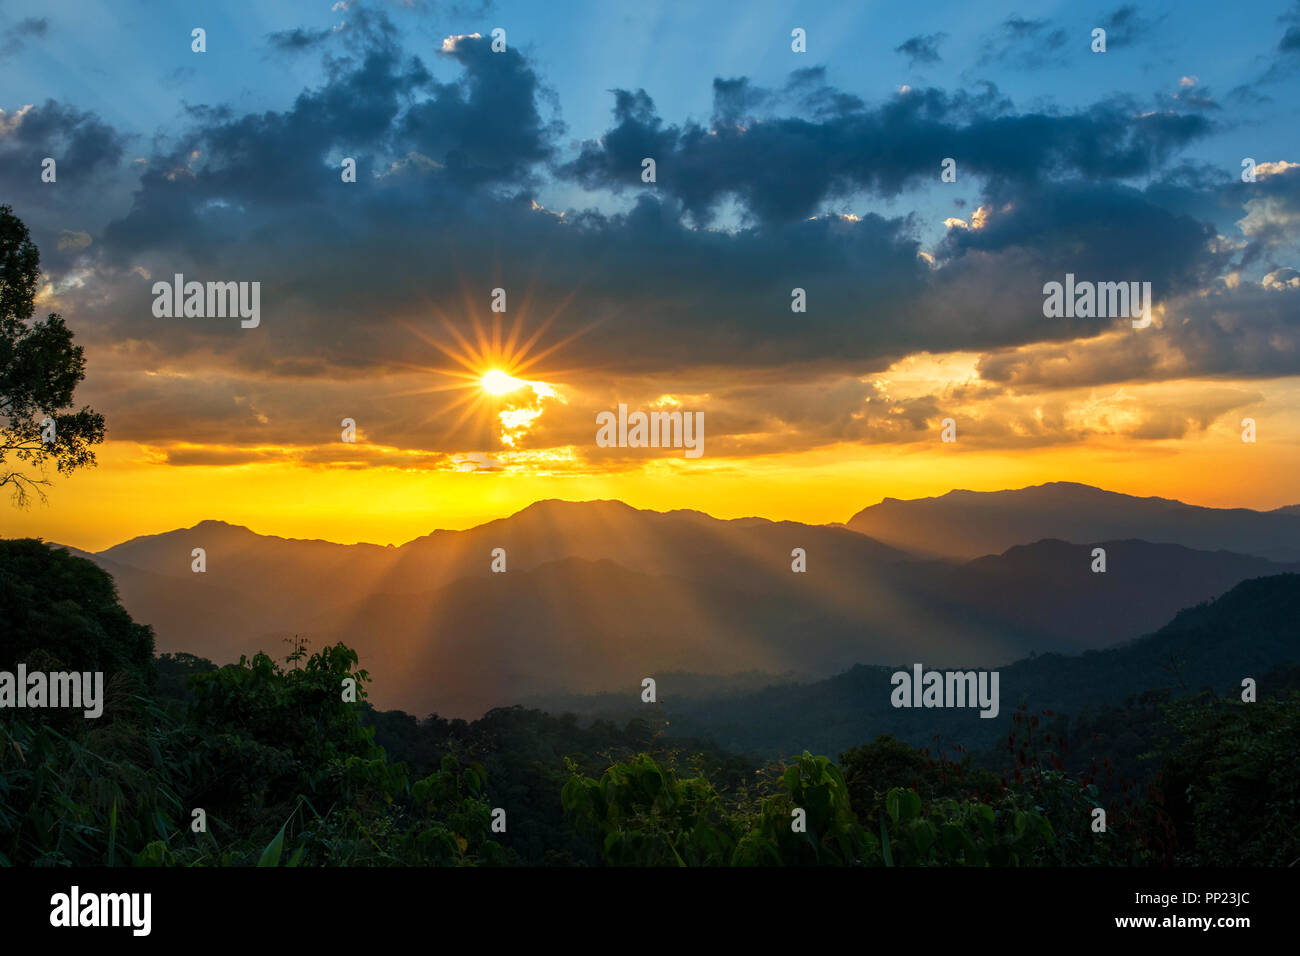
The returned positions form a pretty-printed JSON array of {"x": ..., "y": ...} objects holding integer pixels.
[{"x": 495, "y": 363}]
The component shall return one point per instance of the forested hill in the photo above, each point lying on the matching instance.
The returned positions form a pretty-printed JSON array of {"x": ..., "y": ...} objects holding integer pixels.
[{"x": 1244, "y": 633}]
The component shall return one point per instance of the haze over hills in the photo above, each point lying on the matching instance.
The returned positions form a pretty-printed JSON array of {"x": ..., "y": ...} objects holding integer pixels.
[
  {"x": 967, "y": 524},
  {"x": 1247, "y": 632},
  {"x": 1048, "y": 592},
  {"x": 598, "y": 595}
]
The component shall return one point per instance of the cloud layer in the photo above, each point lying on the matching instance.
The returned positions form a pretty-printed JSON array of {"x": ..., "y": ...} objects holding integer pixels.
[{"x": 681, "y": 286}]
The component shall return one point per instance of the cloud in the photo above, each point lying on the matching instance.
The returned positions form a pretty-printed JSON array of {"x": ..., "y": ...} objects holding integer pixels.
[
  {"x": 1018, "y": 43},
  {"x": 91, "y": 181},
  {"x": 361, "y": 280},
  {"x": 486, "y": 128},
  {"x": 1271, "y": 223},
  {"x": 1124, "y": 27},
  {"x": 12, "y": 40},
  {"x": 1289, "y": 45},
  {"x": 783, "y": 168},
  {"x": 298, "y": 40},
  {"x": 82, "y": 145},
  {"x": 1191, "y": 94},
  {"x": 73, "y": 240},
  {"x": 1099, "y": 232},
  {"x": 1286, "y": 60},
  {"x": 1247, "y": 331},
  {"x": 923, "y": 48}
]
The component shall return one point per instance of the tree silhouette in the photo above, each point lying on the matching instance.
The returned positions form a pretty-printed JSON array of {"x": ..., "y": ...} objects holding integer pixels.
[{"x": 39, "y": 369}]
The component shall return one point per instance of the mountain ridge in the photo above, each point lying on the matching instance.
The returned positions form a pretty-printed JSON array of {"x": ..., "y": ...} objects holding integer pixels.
[
  {"x": 597, "y": 594},
  {"x": 966, "y": 524},
  {"x": 1251, "y": 629}
]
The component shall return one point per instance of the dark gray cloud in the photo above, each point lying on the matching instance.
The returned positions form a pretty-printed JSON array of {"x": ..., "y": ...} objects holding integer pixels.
[
  {"x": 298, "y": 39},
  {"x": 483, "y": 130},
  {"x": 12, "y": 40},
  {"x": 82, "y": 144},
  {"x": 1099, "y": 232},
  {"x": 922, "y": 48},
  {"x": 1236, "y": 332},
  {"x": 1018, "y": 43},
  {"x": 1191, "y": 95},
  {"x": 782, "y": 169},
  {"x": 1286, "y": 59},
  {"x": 88, "y": 155},
  {"x": 486, "y": 128},
  {"x": 1289, "y": 45},
  {"x": 1124, "y": 27},
  {"x": 31, "y": 27}
]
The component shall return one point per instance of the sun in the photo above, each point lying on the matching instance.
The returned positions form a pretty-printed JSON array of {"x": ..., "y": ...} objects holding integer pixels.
[
  {"x": 493, "y": 362},
  {"x": 497, "y": 382}
]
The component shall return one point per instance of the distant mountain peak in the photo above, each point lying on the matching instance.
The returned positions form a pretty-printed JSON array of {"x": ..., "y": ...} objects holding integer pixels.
[
  {"x": 563, "y": 504},
  {"x": 210, "y": 523},
  {"x": 967, "y": 524}
]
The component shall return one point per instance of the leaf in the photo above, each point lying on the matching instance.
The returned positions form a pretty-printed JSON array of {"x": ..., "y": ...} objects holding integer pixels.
[
  {"x": 951, "y": 836},
  {"x": 791, "y": 778},
  {"x": 884, "y": 842},
  {"x": 676, "y": 855},
  {"x": 271, "y": 855},
  {"x": 923, "y": 838},
  {"x": 909, "y": 805},
  {"x": 112, "y": 831}
]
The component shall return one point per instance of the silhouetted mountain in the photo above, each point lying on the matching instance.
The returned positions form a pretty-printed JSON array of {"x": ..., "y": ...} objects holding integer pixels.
[
  {"x": 967, "y": 524},
  {"x": 1253, "y": 628},
  {"x": 1049, "y": 593},
  {"x": 599, "y": 595}
]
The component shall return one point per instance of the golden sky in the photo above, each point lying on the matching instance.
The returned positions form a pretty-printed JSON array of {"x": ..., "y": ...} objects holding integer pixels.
[{"x": 136, "y": 490}]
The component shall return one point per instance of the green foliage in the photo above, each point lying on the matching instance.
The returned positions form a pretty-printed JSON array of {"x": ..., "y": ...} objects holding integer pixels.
[
  {"x": 271, "y": 734},
  {"x": 1233, "y": 781},
  {"x": 643, "y": 815},
  {"x": 95, "y": 798},
  {"x": 283, "y": 767},
  {"x": 61, "y": 612},
  {"x": 830, "y": 833},
  {"x": 173, "y": 672},
  {"x": 872, "y": 770},
  {"x": 528, "y": 757},
  {"x": 40, "y": 369},
  {"x": 951, "y": 832}
]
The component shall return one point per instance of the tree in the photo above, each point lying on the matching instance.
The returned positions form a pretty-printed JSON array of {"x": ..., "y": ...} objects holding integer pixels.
[
  {"x": 39, "y": 370},
  {"x": 65, "y": 610}
]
